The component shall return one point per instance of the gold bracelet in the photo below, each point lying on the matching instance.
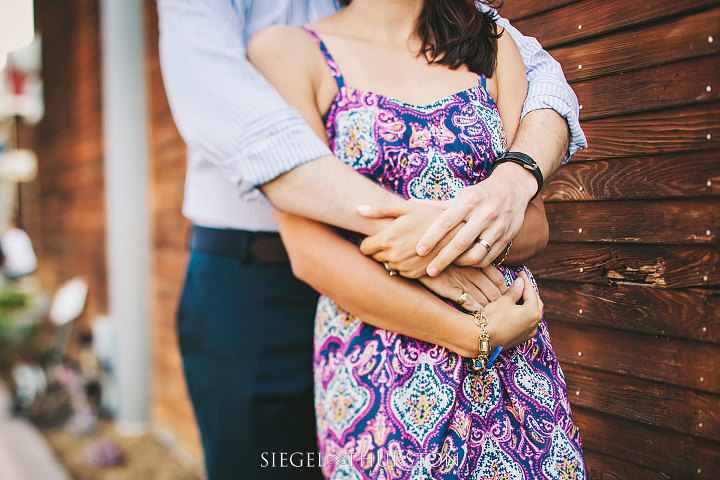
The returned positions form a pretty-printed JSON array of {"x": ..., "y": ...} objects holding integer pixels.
[
  {"x": 481, "y": 321},
  {"x": 507, "y": 252}
]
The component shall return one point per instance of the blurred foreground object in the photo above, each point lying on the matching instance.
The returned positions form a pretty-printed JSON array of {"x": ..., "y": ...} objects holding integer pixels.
[{"x": 19, "y": 256}]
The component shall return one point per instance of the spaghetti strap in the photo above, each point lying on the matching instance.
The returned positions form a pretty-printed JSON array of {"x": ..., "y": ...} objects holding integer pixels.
[{"x": 334, "y": 69}]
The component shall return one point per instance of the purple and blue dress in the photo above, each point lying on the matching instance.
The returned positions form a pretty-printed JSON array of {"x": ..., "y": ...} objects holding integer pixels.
[{"x": 393, "y": 407}]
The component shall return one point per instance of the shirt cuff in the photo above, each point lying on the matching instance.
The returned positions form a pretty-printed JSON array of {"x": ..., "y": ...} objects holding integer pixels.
[
  {"x": 548, "y": 95},
  {"x": 276, "y": 150}
]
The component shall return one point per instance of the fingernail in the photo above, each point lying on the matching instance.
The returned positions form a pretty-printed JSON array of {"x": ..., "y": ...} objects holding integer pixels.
[
  {"x": 422, "y": 250},
  {"x": 432, "y": 271},
  {"x": 364, "y": 209},
  {"x": 518, "y": 281}
]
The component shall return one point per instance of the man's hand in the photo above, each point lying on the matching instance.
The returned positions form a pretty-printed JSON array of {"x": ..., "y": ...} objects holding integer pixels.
[
  {"x": 481, "y": 285},
  {"x": 493, "y": 210}
]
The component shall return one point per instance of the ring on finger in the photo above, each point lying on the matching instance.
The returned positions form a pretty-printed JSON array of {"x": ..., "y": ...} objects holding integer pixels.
[
  {"x": 391, "y": 271},
  {"x": 462, "y": 298},
  {"x": 485, "y": 244}
]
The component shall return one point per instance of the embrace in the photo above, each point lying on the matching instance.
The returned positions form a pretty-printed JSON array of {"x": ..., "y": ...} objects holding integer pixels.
[{"x": 399, "y": 148}]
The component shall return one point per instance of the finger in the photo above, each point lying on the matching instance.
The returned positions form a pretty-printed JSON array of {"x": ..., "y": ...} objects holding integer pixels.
[
  {"x": 496, "y": 277},
  {"x": 443, "y": 224},
  {"x": 372, "y": 244},
  {"x": 486, "y": 286},
  {"x": 383, "y": 210},
  {"x": 473, "y": 230},
  {"x": 515, "y": 292},
  {"x": 382, "y": 257},
  {"x": 494, "y": 238},
  {"x": 478, "y": 296},
  {"x": 530, "y": 298},
  {"x": 463, "y": 241},
  {"x": 472, "y": 257},
  {"x": 475, "y": 302}
]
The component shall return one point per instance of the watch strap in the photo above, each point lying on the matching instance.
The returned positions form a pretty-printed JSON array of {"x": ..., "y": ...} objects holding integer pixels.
[{"x": 525, "y": 161}]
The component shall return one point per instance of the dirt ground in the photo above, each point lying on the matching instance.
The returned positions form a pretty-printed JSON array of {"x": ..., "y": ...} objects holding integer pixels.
[{"x": 145, "y": 458}]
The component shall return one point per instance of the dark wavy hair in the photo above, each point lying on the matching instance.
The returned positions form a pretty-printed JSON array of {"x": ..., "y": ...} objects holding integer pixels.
[{"x": 456, "y": 32}]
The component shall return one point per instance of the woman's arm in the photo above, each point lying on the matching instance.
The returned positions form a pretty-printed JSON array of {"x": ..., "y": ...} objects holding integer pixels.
[{"x": 335, "y": 267}]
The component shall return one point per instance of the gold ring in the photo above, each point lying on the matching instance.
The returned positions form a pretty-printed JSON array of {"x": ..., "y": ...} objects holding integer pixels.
[
  {"x": 462, "y": 298},
  {"x": 485, "y": 244}
]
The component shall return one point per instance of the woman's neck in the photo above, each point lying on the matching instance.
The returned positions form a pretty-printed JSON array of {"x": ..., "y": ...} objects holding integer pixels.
[{"x": 391, "y": 22}]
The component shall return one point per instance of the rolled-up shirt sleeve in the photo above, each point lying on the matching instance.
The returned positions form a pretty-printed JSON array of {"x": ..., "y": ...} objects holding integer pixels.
[
  {"x": 547, "y": 86},
  {"x": 222, "y": 106}
]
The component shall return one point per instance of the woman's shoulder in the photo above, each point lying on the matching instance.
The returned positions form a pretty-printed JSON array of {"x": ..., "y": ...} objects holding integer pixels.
[{"x": 283, "y": 41}]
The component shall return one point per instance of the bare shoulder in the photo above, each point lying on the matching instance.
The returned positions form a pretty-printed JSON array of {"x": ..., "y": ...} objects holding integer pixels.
[
  {"x": 280, "y": 45},
  {"x": 508, "y": 54}
]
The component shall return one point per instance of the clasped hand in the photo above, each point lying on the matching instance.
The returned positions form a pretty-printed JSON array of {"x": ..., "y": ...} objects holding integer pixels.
[{"x": 426, "y": 237}]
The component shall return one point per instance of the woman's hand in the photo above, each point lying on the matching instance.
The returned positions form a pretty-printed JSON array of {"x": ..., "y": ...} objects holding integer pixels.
[
  {"x": 510, "y": 324},
  {"x": 482, "y": 285},
  {"x": 395, "y": 244}
]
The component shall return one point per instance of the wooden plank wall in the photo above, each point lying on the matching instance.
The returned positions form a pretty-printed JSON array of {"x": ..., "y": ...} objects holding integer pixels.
[
  {"x": 630, "y": 278},
  {"x": 171, "y": 410},
  {"x": 63, "y": 210}
]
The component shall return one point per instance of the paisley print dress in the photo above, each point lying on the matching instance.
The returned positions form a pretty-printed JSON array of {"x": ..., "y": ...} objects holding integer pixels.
[{"x": 393, "y": 407}]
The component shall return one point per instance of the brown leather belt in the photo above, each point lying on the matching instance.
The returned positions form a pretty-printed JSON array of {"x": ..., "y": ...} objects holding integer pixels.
[{"x": 263, "y": 247}]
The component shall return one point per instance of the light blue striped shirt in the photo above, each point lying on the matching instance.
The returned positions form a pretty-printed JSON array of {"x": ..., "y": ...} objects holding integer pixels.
[{"x": 239, "y": 131}]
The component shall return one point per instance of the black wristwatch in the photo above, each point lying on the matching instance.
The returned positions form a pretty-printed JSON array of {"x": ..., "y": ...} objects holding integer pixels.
[{"x": 524, "y": 160}]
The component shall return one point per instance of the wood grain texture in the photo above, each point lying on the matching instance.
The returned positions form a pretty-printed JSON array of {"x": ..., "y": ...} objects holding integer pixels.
[
  {"x": 661, "y": 266},
  {"x": 691, "y": 314},
  {"x": 674, "y": 222},
  {"x": 670, "y": 360},
  {"x": 681, "y": 83},
  {"x": 603, "y": 467},
  {"x": 560, "y": 26},
  {"x": 679, "y": 409},
  {"x": 517, "y": 9},
  {"x": 642, "y": 47},
  {"x": 695, "y": 174},
  {"x": 674, "y": 454},
  {"x": 681, "y": 129}
]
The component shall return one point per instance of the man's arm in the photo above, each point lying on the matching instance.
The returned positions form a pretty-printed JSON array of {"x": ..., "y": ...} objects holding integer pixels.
[{"x": 225, "y": 109}]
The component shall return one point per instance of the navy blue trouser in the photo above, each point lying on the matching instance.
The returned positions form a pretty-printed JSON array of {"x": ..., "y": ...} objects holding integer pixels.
[{"x": 245, "y": 331}]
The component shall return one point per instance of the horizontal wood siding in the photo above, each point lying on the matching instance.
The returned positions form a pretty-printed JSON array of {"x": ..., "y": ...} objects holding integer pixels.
[{"x": 630, "y": 278}]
